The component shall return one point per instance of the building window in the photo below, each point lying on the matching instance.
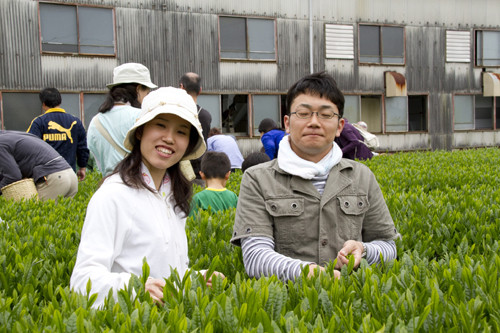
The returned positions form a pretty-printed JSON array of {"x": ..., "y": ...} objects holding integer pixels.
[
  {"x": 497, "y": 112},
  {"x": 475, "y": 112},
  {"x": 396, "y": 113},
  {"x": 266, "y": 106},
  {"x": 235, "y": 114},
  {"x": 487, "y": 48},
  {"x": 381, "y": 45},
  {"x": 91, "y": 104},
  {"x": 417, "y": 113},
  {"x": 371, "y": 112},
  {"x": 464, "y": 112},
  {"x": 12, "y": 103},
  {"x": 247, "y": 38},
  {"x": 406, "y": 114},
  {"x": 352, "y": 111},
  {"x": 77, "y": 29},
  {"x": 71, "y": 104},
  {"x": 483, "y": 112},
  {"x": 211, "y": 103}
]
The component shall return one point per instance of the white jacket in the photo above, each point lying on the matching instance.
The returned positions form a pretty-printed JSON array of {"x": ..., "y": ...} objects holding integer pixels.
[{"x": 124, "y": 225}]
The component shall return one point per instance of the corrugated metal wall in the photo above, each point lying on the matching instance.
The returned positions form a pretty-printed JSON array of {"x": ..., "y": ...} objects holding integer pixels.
[{"x": 174, "y": 36}]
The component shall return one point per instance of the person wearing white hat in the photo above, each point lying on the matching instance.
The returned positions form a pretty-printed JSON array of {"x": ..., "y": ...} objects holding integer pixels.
[
  {"x": 140, "y": 210},
  {"x": 107, "y": 130}
]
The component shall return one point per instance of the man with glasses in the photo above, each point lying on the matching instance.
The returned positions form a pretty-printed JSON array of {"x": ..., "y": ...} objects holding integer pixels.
[{"x": 310, "y": 206}]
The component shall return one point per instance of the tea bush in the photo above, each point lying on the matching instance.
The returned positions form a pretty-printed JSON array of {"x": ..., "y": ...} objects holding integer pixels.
[{"x": 446, "y": 205}]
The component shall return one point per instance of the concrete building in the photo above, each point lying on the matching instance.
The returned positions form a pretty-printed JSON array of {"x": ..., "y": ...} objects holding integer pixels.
[{"x": 422, "y": 74}]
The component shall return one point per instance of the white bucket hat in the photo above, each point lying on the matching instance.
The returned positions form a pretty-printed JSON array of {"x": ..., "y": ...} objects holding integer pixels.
[
  {"x": 132, "y": 73},
  {"x": 169, "y": 100}
]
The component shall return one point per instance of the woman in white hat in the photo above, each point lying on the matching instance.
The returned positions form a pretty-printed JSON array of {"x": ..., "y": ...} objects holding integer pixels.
[
  {"x": 140, "y": 210},
  {"x": 107, "y": 130}
]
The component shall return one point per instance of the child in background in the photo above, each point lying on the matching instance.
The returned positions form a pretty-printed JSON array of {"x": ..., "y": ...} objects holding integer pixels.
[
  {"x": 215, "y": 171},
  {"x": 254, "y": 159}
]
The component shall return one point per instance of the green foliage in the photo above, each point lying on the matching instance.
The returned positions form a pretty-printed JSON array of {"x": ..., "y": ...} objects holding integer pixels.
[{"x": 446, "y": 205}]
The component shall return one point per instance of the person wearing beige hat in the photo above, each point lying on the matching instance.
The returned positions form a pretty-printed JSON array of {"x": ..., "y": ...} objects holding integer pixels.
[
  {"x": 140, "y": 210},
  {"x": 107, "y": 130}
]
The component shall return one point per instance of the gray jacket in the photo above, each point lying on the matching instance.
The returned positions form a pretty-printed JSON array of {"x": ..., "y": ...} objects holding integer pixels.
[
  {"x": 304, "y": 224},
  {"x": 24, "y": 155}
]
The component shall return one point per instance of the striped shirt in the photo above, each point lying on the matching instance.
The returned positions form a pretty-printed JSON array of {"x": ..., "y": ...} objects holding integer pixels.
[{"x": 260, "y": 258}]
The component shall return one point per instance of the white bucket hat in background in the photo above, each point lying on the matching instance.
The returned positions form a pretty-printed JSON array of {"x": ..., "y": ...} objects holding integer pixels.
[
  {"x": 169, "y": 100},
  {"x": 132, "y": 73}
]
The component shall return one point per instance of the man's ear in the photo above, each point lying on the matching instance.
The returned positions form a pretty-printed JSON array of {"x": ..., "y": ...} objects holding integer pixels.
[
  {"x": 202, "y": 175},
  {"x": 226, "y": 177},
  {"x": 340, "y": 127},
  {"x": 286, "y": 121}
]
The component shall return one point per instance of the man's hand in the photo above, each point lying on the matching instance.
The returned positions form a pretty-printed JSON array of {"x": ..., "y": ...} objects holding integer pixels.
[
  {"x": 155, "y": 288},
  {"x": 314, "y": 267},
  {"x": 209, "y": 280},
  {"x": 81, "y": 174},
  {"x": 350, "y": 247}
]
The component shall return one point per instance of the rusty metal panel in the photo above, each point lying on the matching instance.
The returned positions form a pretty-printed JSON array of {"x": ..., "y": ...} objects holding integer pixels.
[{"x": 395, "y": 84}]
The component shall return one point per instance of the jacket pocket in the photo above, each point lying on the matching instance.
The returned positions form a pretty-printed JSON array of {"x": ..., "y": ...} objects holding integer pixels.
[
  {"x": 289, "y": 221},
  {"x": 353, "y": 204},
  {"x": 352, "y": 208},
  {"x": 278, "y": 207}
]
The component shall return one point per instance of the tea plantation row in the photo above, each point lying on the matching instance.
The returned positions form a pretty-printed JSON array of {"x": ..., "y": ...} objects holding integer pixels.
[{"x": 446, "y": 205}]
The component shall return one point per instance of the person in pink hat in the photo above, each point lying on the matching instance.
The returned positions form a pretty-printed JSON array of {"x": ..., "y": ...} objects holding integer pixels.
[
  {"x": 107, "y": 130},
  {"x": 139, "y": 212}
]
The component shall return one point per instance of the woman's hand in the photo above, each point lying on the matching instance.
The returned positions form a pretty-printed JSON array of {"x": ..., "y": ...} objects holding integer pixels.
[
  {"x": 209, "y": 280},
  {"x": 155, "y": 288},
  {"x": 314, "y": 267}
]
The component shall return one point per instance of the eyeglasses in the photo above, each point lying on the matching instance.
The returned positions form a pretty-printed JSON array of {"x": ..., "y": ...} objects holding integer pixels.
[{"x": 323, "y": 114}]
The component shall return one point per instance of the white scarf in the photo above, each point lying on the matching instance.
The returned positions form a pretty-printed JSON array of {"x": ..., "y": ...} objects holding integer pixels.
[{"x": 293, "y": 164}]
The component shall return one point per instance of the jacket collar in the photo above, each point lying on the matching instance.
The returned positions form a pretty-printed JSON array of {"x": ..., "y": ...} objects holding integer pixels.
[
  {"x": 336, "y": 181},
  {"x": 55, "y": 110}
]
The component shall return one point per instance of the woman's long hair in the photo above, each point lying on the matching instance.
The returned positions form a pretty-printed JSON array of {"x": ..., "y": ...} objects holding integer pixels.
[
  {"x": 124, "y": 93},
  {"x": 130, "y": 172}
]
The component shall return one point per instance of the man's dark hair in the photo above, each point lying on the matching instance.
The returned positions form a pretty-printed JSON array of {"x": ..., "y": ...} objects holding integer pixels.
[
  {"x": 254, "y": 159},
  {"x": 215, "y": 164},
  {"x": 191, "y": 82},
  {"x": 266, "y": 125},
  {"x": 319, "y": 84},
  {"x": 50, "y": 97}
]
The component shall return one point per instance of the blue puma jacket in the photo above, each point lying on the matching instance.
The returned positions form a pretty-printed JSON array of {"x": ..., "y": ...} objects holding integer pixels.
[{"x": 65, "y": 133}]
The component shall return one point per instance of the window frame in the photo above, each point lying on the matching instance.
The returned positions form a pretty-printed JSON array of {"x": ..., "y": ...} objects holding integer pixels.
[
  {"x": 476, "y": 31},
  {"x": 495, "y": 108},
  {"x": 425, "y": 113},
  {"x": 247, "y": 50},
  {"x": 381, "y": 47},
  {"x": 79, "y": 46}
]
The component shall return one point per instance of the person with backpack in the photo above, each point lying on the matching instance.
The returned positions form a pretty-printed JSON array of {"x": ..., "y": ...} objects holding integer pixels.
[
  {"x": 107, "y": 130},
  {"x": 352, "y": 143}
]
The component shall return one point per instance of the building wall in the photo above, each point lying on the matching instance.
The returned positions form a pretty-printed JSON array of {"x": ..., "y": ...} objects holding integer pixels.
[{"x": 175, "y": 36}]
